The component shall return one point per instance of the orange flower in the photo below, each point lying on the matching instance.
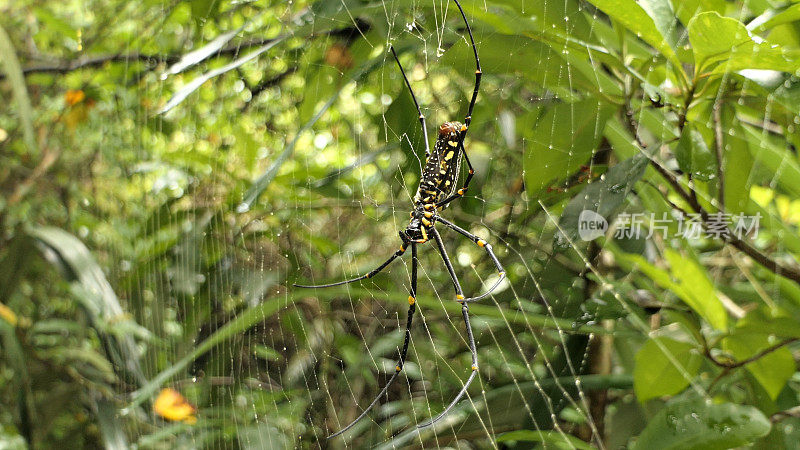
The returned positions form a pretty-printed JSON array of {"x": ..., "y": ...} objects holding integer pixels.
[
  {"x": 73, "y": 97},
  {"x": 171, "y": 405}
]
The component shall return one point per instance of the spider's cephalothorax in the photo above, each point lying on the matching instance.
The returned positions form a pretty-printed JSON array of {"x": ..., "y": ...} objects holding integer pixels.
[
  {"x": 437, "y": 188},
  {"x": 438, "y": 181}
]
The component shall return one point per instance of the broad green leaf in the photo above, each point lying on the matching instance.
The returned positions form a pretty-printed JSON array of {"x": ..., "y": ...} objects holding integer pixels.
[
  {"x": 694, "y": 156},
  {"x": 696, "y": 288},
  {"x": 722, "y": 39},
  {"x": 774, "y": 320},
  {"x": 789, "y": 15},
  {"x": 602, "y": 198},
  {"x": 698, "y": 424},
  {"x": 773, "y": 370},
  {"x": 687, "y": 279},
  {"x": 550, "y": 439},
  {"x": 664, "y": 19},
  {"x": 664, "y": 366},
  {"x": 535, "y": 61},
  {"x": 90, "y": 286},
  {"x": 737, "y": 164},
  {"x": 779, "y": 161},
  {"x": 633, "y": 16},
  {"x": 687, "y": 9},
  {"x": 563, "y": 139}
]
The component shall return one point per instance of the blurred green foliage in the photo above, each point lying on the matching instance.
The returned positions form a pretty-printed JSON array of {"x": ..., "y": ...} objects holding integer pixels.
[{"x": 169, "y": 169}]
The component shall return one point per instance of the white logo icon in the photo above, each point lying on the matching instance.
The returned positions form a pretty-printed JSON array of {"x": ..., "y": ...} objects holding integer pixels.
[{"x": 591, "y": 225}]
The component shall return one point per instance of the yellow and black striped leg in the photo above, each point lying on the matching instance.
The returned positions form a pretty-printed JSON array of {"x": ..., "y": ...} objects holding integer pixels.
[
  {"x": 486, "y": 247},
  {"x": 448, "y": 264},
  {"x": 470, "y": 337},
  {"x": 471, "y": 340},
  {"x": 412, "y": 307},
  {"x": 371, "y": 274}
]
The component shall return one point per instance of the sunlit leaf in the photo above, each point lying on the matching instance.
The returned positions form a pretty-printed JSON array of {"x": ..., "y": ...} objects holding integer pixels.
[
  {"x": 718, "y": 39},
  {"x": 665, "y": 366},
  {"x": 634, "y": 17}
]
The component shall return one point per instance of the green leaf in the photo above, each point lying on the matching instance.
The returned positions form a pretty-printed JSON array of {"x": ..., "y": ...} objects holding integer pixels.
[
  {"x": 550, "y": 439},
  {"x": 664, "y": 366},
  {"x": 777, "y": 321},
  {"x": 693, "y": 155},
  {"x": 563, "y": 139},
  {"x": 780, "y": 162},
  {"x": 788, "y": 15},
  {"x": 696, "y": 289},
  {"x": 602, "y": 197},
  {"x": 664, "y": 19},
  {"x": 737, "y": 164},
  {"x": 8, "y": 57},
  {"x": 697, "y": 424},
  {"x": 687, "y": 9},
  {"x": 92, "y": 289},
  {"x": 772, "y": 370},
  {"x": 529, "y": 55},
  {"x": 242, "y": 322},
  {"x": 687, "y": 279},
  {"x": 634, "y": 17},
  {"x": 722, "y": 39}
]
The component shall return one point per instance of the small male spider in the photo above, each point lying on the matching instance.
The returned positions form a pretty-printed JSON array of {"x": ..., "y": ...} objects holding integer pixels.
[{"x": 436, "y": 191}]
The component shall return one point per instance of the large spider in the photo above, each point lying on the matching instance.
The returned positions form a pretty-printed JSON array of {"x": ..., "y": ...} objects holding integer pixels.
[{"x": 436, "y": 191}]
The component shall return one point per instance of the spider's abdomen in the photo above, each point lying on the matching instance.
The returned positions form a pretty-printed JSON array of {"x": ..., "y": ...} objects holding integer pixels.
[{"x": 440, "y": 174}]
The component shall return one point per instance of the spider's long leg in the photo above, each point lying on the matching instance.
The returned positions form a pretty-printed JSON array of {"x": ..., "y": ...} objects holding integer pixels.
[
  {"x": 414, "y": 97},
  {"x": 478, "y": 72},
  {"x": 471, "y": 340},
  {"x": 372, "y": 273},
  {"x": 447, "y": 263},
  {"x": 468, "y": 119},
  {"x": 412, "y": 307},
  {"x": 487, "y": 247},
  {"x": 470, "y": 337}
]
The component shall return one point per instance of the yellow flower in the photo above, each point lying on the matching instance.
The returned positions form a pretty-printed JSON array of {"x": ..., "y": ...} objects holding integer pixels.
[
  {"x": 8, "y": 315},
  {"x": 171, "y": 405}
]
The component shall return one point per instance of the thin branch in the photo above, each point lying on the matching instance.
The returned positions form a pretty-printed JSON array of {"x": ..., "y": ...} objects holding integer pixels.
[
  {"x": 762, "y": 353},
  {"x": 266, "y": 84},
  {"x": 791, "y": 412},
  {"x": 790, "y": 272},
  {"x": 151, "y": 59}
]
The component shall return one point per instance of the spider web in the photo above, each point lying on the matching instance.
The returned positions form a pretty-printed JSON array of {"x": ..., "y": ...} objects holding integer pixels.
[{"x": 343, "y": 139}]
